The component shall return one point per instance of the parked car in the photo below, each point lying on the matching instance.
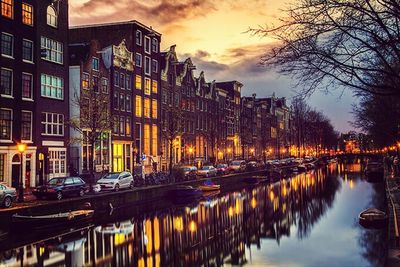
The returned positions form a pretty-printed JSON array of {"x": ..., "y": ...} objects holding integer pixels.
[
  {"x": 189, "y": 171},
  {"x": 252, "y": 165},
  {"x": 7, "y": 195},
  {"x": 237, "y": 166},
  {"x": 116, "y": 181},
  {"x": 207, "y": 171},
  {"x": 61, "y": 186},
  {"x": 222, "y": 169}
]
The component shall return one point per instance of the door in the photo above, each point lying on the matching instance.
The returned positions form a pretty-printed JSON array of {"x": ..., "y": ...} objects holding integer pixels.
[
  {"x": 15, "y": 171},
  {"x": 69, "y": 187}
]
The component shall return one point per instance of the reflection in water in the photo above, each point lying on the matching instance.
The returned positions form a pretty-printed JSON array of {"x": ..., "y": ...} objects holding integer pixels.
[{"x": 213, "y": 232}]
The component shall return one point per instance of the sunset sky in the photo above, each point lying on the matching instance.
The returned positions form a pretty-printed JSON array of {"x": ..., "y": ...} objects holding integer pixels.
[{"x": 213, "y": 34}]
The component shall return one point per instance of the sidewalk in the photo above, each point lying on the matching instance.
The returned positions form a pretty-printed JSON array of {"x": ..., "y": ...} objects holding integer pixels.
[{"x": 393, "y": 199}]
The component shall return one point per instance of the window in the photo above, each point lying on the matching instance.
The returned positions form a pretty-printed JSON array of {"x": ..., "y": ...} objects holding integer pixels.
[
  {"x": 115, "y": 125},
  {"x": 52, "y": 124},
  {"x": 5, "y": 124},
  {"x": 138, "y": 82},
  {"x": 147, "y": 86},
  {"x": 146, "y": 139},
  {"x": 154, "y": 139},
  {"x": 138, "y": 108},
  {"x": 95, "y": 83},
  {"x": 27, "y": 50},
  {"x": 26, "y": 125},
  {"x": 7, "y": 8},
  {"x": 128, "y": 125},
  {"x": 154, "y": 109},
  {"x": 147, "y": 44},
  {"x": 6, "y": 82},
  {"x": 116, "y": 100},
  {"x": 52, "y": 87},
  {"x": 128, "y": 103},
  {"x": 7, "y": 44},
  {"x": 122, "y": 125},
  {"x": 128, "y": 83},
  {"x": 27, "y": 86},
  {"x": 154, "y": 66},
  {"x": 116, "y": 78},
  {"x": 54, "y": 50},
  {"x": 122, "y": 80},
  {"x": 138, "y": 60},
  {"x": 85, "y": 80},
  {"x": 104, "y": 85},
  {"x": 138, "y": 37},
  {"x": 147, "y": 65},
  {"x": 146, "y": 109},
  {"x": 27, "y": 14},
  {"x": 51, "y": 16},
  {"x": 154, "y": 45},
  {"x": 122, "y": 102},
  {"x": 57, "y": 162},
  {"x": 95, "y": 63},
  {"x": 154, "y": 87}
]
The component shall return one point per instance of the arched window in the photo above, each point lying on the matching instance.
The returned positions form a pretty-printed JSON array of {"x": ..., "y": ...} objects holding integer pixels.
[{"x": 51, "y": 16}]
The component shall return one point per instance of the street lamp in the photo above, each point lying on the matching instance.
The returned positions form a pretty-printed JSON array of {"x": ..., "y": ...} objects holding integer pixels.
[
  {"x": 190, "y": 150},
  {"x": 21, "y": 149}
]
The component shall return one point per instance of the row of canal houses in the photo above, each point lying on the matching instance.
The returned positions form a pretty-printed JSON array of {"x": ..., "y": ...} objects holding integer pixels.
[{"x": 158, "y": 109}]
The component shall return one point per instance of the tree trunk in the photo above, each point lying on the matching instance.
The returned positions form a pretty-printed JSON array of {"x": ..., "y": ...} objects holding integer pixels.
[
  {"x": 170, "y": 156},
  {"x": 91, "y": 165}
]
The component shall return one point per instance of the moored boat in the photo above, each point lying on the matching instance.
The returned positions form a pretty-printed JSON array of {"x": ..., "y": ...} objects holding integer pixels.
[
  {"x": 211, "y": 187},
  {"x": 184, "y": 191},
  {"x": 56, "y": 219},
  {"x": 372, "y": 217}
]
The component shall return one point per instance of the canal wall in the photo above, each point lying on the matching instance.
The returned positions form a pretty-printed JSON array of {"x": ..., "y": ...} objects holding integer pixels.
[
  {"x": 133, "y": 200},
  {"x": 393, "y": 200}
]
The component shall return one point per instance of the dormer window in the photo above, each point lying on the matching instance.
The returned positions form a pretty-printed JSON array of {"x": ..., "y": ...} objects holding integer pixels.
[{"x": 51, "y": 16}]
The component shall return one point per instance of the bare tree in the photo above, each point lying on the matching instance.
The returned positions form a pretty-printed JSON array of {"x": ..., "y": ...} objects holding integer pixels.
[
  {"x": 93, "y": 120},
  {"x": 172, "y": 125},
  {"x": 326, "y": 43}
]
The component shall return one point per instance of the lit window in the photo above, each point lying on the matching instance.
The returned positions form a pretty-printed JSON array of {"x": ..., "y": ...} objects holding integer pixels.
[
  {"x": 5, "y": 124},
  {"x": 154, "y": 109},
  {"x": 52, "y": 87},
  {"x": 138, "y": 37},
  {"x": 147, "y": 44},
  {"x": 154, "y": 138},
  {"x": 154, "y": 87},
  {"x": 138, "y": 82},
  {"x": 147, "y": 88},
  {"x": 6, "y": 82},
  {"x": 128, "y": 129},
  {"x": 27, "y": 86},
  {"x": 147, "y": 65},
  {"x": 53, "y": 49},
  {"x": 138, "y": 109},
  {"x": 26, "y": 125},
  {"x": 138, "y": 60},
  {"x": 85, "y": 80},
  {"x": 154, "y": 45},
  {"x": 51, "y": 16},
  {"x": 7, "y": 44},
  {"x": 122, "y": 125},
  {"x": 7, "y": 8},
  {"x": 27, "y": 14},
  {"x": 146, "y": 139},
  {"x": 154, "y": 66},
  {"x": 146, "y": 109},
  {"x": 95, "y": 63},
  {"x": 27, "y": 50}
]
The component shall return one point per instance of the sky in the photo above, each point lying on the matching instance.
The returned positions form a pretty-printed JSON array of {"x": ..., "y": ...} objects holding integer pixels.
[{"x": 214, "y": 34}]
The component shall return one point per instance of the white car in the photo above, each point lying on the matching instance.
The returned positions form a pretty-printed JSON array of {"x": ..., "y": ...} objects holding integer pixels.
[
  {"x": 116, "y": 181},
  {"x": 207, "y": 171}
]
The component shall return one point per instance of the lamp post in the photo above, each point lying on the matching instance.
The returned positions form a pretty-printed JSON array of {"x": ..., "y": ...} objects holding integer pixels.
[
  {"x": 135, "y": 151},
  {"x": 190, "y": 150},
  {"x": 21, "y": 149}
]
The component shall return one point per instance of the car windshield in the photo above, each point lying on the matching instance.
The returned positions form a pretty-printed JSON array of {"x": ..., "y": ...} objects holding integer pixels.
[
  {"x": 56, "y": 181},
  {"x": 236, "y": 162},
  {"x": 111, "y": 176},
  {"x": 206, "y": 167},
  {"x": 185, "y": 169},
  {"x": 221, "y": 166}
]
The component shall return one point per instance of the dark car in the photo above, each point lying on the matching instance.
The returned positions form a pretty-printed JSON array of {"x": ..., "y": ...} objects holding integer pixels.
[
  {"x": 60, "y": 187},
  {"x": 222, "y": 169}
]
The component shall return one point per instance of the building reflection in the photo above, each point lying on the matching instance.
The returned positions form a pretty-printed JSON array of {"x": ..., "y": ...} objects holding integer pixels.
[{"x": 210, "y": 233}]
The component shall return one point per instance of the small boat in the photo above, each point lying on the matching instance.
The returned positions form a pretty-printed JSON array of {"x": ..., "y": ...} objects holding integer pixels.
[
  {"x": 211, "y": 187},
  {"x": 371, "y": 218},
  {"x": 184, "y": 191},
  {"x": 57, "y": 219}
]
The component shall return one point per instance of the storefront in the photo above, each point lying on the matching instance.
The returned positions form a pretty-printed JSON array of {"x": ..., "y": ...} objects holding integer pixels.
[{"x": 122, "y": 156}]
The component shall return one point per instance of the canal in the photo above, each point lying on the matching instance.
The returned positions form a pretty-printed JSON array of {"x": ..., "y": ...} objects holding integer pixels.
[{"x": 309, "y": 219}]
